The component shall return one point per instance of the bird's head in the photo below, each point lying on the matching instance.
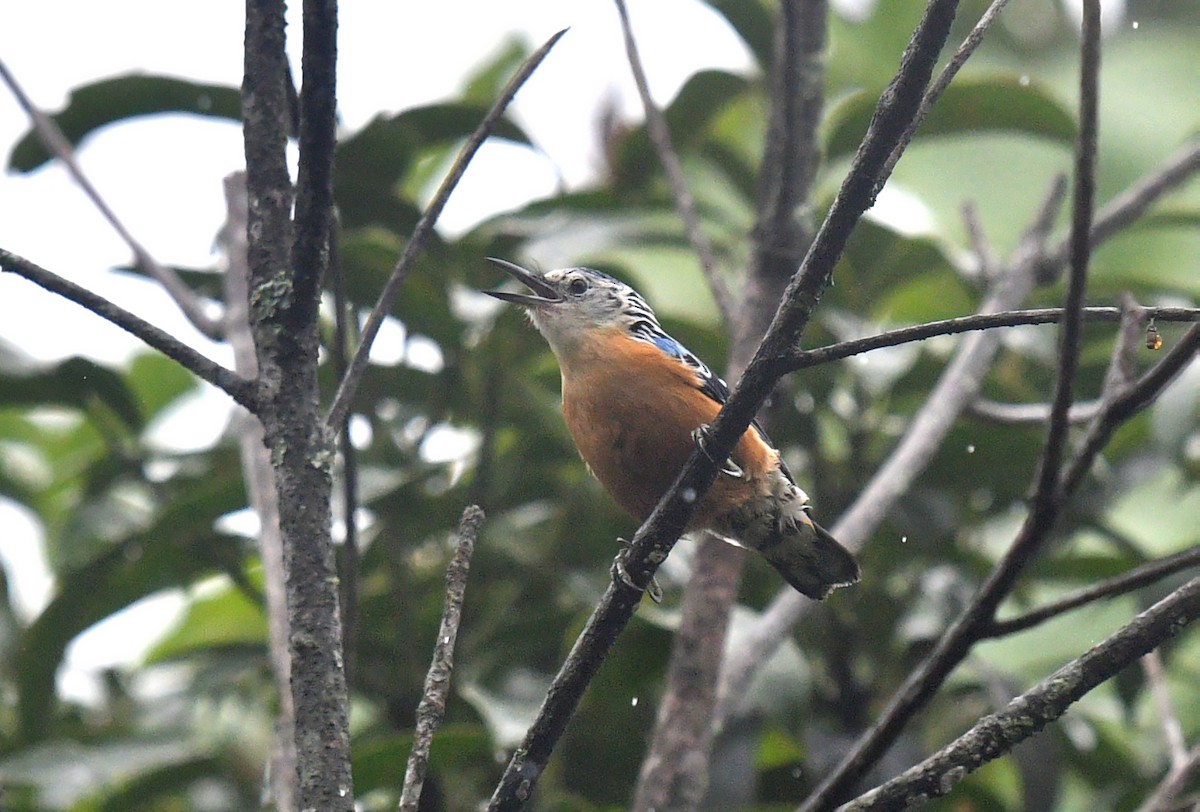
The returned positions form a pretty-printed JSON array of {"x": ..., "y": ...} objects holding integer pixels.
[{"x": 567, "y": 303}]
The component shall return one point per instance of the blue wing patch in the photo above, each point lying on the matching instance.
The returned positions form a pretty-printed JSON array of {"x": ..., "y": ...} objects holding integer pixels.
[{"x": 706, "y": 381}]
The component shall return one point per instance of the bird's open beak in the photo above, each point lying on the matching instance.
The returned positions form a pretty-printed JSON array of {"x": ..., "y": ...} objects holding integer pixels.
[{"x": 545, "y": 292}]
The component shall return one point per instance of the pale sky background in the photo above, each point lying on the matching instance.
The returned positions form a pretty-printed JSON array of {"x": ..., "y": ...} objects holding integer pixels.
[{"x": 163, "y": 176}]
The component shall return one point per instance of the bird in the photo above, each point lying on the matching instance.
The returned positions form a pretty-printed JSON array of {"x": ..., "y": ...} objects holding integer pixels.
[{"x": 636, "y": 401}]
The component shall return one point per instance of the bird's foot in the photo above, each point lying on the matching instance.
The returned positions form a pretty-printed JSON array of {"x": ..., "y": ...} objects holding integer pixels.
[
  {"x": 729, "y": 468},
  {"x": 652, "y": 589}
]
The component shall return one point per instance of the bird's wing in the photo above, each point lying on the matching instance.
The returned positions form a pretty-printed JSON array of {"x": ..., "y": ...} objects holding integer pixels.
[{"x": 709, "y": 383}]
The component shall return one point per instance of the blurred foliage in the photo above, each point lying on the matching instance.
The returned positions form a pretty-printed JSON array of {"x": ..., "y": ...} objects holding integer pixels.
[{"x": 466, "y": 410}]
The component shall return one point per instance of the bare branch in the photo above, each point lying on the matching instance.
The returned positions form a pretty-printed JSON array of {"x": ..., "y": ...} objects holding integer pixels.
[
  {"x": 1134, "y": 201},
  {"x": 685, "y": 204},
  {"x": 658, "y": 534},
  {"x": 802, "y": 359},
  {"x": 958, "y": 385},
  {"x": 287, "y": 262},
  {"x": 675, "y": 768},
  {"x": 348, "y": 555},
  {"x": 1125, "y": 405},
  {"x": 1121, "y": 369},
  {"x": 964, "y": 631},
  {"x": 996, "y": 734},
  {"x": 259, "y": 478},
  {"x": 1164, "y": 798},
  {"x": 1030, "y": 414},
  {"x": 889, "y": 482},
  {"x": 783, "y": 227},
  {"x": 60, "y": 147},
  {"x": 243, "y": 391},
  {"x": 981, "y": 246},
  {"x": 1172, "y": 730},
  {"x": 432, "y": 708},
  {"x": 939, "y": 85},
  {"x": 416, "y": 243},
  {"x": 1070, "y": 339},
  {"x": 1135, "y": 578}
]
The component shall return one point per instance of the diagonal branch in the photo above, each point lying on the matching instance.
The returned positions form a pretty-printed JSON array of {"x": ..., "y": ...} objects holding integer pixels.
[
  {"x": 1071, "y": 338},
  {"x": 416, "y": 243},
  {"x": 675, "y": 769},
  {"x": 943, "y": 80},
  {"x": 803, "y": 359},
  {"x": 658, "y": 534},
  {"x": 909, "y": 457},
  {"x": 243, "y": 391},
  {"x": 59, "y": 146},
  {"x": 1165, "y": 797},
  {"x": 957, "y": 641},
  {"x": 685, "y": 204},
  {"x": 1135, "y": 578},
  {"x": 996, "y": 734},
  {"x": 432, "y": 708},
  {"x": 958, "y": 385}
]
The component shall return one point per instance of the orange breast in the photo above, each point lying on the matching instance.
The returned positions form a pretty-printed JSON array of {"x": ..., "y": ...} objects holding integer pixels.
[{"x": 631, "y": 411}]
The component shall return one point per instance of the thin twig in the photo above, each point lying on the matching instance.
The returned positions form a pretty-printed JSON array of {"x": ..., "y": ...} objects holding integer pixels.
[
  {"x": 1029, "y": 414},
  {"x": 802, "y": 359},
  {"x": 1164, "y": 798},
  {"x": 996, "y": 734},
  {"x": 1133, "y": 202},
  {"x": 432, "y": 708},
  {"x": 416, "y": 243},
  {"x": 939, "y": 85},
  {"x": 259, "y": 480},
  {"x": 685, "y": 204},
  {"x": 1071, "y": 337},
  {"x": 957, "y": 641},
  {"x": 1121, "y": 370},
  {"x": 659, "y": 532},
  {"x": 1172, "y": 731},
  {"x": 1124, "y": 406},
  {"x": 892, "y": 479},
  {"x": 1126, "y": 582},
  {"x": 675, "y": 768},
  {"x": 981, "y": 246},
  {"x": 60, "y": 147},
  {"x": 957, "y": 386},
  {"x": 240, "y": 389},
  {"x": 347, "y": 552},
  {"x": 783, "y": 225}
]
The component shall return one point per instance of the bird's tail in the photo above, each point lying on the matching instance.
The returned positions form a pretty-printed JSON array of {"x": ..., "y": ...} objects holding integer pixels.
[{"x": 809, "y": 558}]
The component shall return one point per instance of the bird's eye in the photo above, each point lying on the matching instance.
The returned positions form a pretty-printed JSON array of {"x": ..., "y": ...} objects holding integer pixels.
[{"x": 577, "y": 286}]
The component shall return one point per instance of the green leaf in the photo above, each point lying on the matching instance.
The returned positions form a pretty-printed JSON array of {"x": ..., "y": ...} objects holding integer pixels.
[
  {"x": 699, "y": 102},
  {"x": 227, "y": 618},
  {"x": 157, "y": 382},
  {"x": 76, "y": 382},
  {"x": 969, "y": 106},
  {"x": 175, "y": 549},
  {"x": 485, "y": 84},
  {"x": 373, "y": 163},
  {"x": 115, "y": 768},
  {"x": 753, "y": 23},
  {"x": 93, "y": 106}
]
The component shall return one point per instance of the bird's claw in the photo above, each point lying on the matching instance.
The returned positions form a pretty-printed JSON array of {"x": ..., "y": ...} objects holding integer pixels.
[
  {"x": 729, "y": 468},
  {"x": 652, "y": 588}
]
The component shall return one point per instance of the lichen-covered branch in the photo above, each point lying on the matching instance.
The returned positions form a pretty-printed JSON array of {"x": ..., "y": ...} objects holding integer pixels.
[
  {"x": 996, "y": 734},
  {"x": 432, "y": 707}
]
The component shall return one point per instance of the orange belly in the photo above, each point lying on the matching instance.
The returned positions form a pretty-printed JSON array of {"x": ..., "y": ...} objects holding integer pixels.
[{"x": 636, "y": 437}]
